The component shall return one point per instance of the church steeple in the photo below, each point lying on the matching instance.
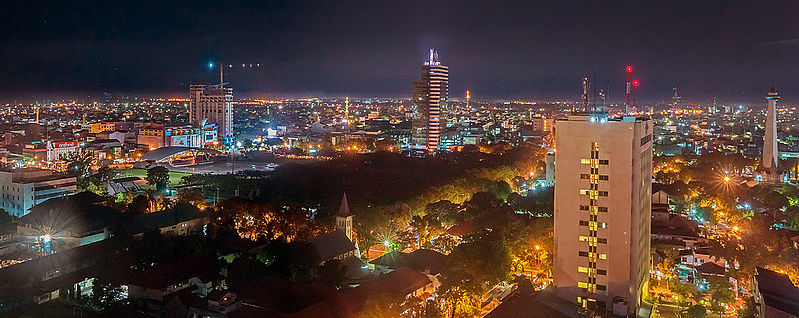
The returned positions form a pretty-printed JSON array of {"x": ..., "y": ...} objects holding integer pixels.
[
  {"x": 344, "y": 218},
  {"x": 344, "y": 209}
]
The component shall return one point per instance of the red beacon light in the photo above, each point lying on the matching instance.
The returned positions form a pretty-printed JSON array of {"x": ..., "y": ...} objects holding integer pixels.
[
  {"x": 635, "y": 83},
  {"x": 629, "y": 69}
]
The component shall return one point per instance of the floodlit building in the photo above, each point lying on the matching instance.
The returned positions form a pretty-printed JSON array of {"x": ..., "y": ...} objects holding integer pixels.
[
  {"x": 429, "y": 94},
  {"x": 185, "y": 136},
  {"x": 602, "y": 212},
  {"x": 60, "y": 150},
  {"x": 96, "y": 128},
  {"x": 21, "y": 189},
  {"x": 214, "y": 104}
]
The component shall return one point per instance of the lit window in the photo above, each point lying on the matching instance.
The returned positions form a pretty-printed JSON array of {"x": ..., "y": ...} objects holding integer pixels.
[
  {"x": 583, "y": 238},
  {"x": 582, "y": 269},
  {"x": 582, "y": 285},
  {"x": 603, "y": 256},
  {"x": 585, "y": 161}
]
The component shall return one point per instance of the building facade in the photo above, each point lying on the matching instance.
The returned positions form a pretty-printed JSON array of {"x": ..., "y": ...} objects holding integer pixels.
[
  {"x": 214, "y": 104},
  {"x": 185, "y": 136},
  {"x": 603, "y": 184},
  {"x": 429, "y": 94},
  {"x": 21, "y": 189},
  {"x": 60, "y": 150},
  {"x": 96, "y": 128}
]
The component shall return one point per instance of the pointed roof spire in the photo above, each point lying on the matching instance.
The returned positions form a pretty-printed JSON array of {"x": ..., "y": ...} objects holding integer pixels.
[
  {"x": 344, "y": 210},
  {"x": 773, "y": 90}
]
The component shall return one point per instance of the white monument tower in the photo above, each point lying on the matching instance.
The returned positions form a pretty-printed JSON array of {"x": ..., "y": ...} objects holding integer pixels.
[{"x": 770, "y": 152}]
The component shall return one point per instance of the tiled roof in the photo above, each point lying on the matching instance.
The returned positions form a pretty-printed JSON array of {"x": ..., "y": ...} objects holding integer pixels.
[
  {"x": 420, "y": 260},
  {"x": 330, "y": 245},
  {"x": 777, "y": 290}
]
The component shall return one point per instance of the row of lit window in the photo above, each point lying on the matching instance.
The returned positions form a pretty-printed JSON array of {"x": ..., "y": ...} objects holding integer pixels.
[
  {"x": 593, "y": 193},
  {"x": 585, "y": 176},
  {"x": 583, "y": 269},
  {"x": 600, "y": 240},
  {"x": 591, "y": 287},
  {"x": 586, "y": 161},
  {"x": 594, "y": 225},
  {"x": 593, "y": 208},
  {"x": 587, "y": 254}
]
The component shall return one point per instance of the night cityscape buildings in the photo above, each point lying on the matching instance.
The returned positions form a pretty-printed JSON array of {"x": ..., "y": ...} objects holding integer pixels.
[
  {"x": 212, "y": 104},
  {"x": 538, "y": 180},
  {"x": 602, "y": 212},
  {"x": 429, "y": 95}
]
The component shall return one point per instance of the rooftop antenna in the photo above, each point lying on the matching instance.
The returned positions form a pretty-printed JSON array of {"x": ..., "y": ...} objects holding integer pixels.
[
  {"x": 347, "y": 110},
  {"x": 586, "y": 86},
  {"x": 222, "y": 69},
  {"x": 593, "y": 93},
  {"x": 627, "y": 101}
]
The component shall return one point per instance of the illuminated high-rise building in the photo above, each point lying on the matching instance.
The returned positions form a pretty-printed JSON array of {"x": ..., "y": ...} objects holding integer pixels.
[
  {"x": 213, "y": 103},
  {"x": 603, "y": 185},
  {"x": 770, "y": 151},
  {"x": 429, "y": 94},
  {"x": 675, "y": 99}
]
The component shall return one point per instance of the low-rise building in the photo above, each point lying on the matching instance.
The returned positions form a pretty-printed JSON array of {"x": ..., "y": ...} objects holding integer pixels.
[
  {"x": 123, "y": 185},
  {"x": 199, "y": 272},
  {"x": 774, "y": 294},
  {"x": 63, "y": 223},
  {"x": 180, "y": 220},
  {"x": 185, "y": 136},
  {"x": 21, "y": 189},
  {"x": 60, "y": 150}
]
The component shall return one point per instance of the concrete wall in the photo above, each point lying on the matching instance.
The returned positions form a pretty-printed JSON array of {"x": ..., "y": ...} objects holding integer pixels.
[{"x": 625, "y": 225}]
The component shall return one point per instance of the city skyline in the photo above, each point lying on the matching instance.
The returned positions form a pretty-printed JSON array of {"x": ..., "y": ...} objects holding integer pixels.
[
  {"x": 538, "y": 51},
  {"x": 407, "y": 159}
]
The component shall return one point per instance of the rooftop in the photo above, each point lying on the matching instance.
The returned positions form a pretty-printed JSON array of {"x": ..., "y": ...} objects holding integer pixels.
[
  {"x": 140, "y": 223},
  {"x": 777, "y": 290},
  {"x": 163, "y": 275},
  {"x": 420, "y": 260},
  {"x": 400, "y": 282},
  {"x": 330, "y": 245},
  {"x": 72, "y": 215}
]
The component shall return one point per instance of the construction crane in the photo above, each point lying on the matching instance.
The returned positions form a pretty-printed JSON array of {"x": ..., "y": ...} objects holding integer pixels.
[{"x": 230, "y": 66}]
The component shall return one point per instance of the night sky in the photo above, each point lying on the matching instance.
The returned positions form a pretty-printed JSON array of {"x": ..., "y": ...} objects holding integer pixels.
[{"x": 498, "y": 49}]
